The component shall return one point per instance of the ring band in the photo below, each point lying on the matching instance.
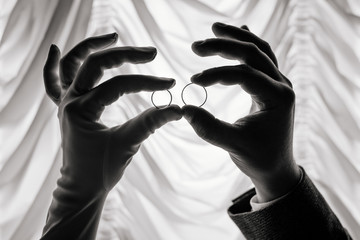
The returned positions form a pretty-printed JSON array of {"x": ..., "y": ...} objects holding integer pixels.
[
  {"x": 182, "y": 95},
  {"x": 152, "y": 100}
]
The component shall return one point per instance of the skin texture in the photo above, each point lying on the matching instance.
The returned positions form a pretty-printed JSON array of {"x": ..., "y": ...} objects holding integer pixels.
[
  {"x": 95, "y": 156},
  {"x": 260, "y": 144}
]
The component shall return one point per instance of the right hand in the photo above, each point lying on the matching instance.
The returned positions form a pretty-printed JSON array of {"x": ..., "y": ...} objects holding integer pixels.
[
  {"x": 95, "y": 156},
  {"x": 260, "y": 144}
]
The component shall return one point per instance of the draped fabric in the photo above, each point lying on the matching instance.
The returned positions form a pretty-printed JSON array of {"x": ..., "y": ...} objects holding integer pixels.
[
  {"x": 30, "y": 155},
  {"x": 178, "y": 186}
]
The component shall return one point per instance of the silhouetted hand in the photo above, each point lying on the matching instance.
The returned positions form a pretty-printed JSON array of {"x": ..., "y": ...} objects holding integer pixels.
[
  {"x": 260, "y": 144},
  {"x": 96, "y": 156}
]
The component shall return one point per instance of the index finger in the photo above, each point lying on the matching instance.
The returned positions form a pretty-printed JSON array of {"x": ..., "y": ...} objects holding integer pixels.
[
  {"x": 243, "y": 34},
  {"x": 93, "y": 68},
  {"x": 237, "y": 50},
  {"x": 109, "y": 91}
]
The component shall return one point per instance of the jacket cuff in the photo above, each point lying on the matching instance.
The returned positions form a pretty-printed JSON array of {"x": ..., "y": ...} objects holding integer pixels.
[{"x": 301, "y": 214}]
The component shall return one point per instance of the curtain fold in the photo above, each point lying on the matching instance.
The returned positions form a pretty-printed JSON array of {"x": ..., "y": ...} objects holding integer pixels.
[
  {"x": 30, "y": 156},
  {"x": 177, "y": 186}
]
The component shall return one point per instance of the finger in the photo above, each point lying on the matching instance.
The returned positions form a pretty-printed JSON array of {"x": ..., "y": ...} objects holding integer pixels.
[
  {"x": 110, "y": 91},
  {"x": 93, "y": 68},
  {"x": 50, "y": 74},
  {"x": 243, "y": 34},
  {"x": 70, "y": 63},
  {"x": 141, "y": 127},
  {"x": 209, "y": 128},
  {"x": 266, "y": 92},
  {"x": 245, "y": 27},
  {"x": 237, "y": 50}
]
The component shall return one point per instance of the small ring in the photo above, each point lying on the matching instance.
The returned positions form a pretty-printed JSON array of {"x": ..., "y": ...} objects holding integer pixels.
[
  {"x": 182, "y": 95},
  {"x": 152, "y": 100}
]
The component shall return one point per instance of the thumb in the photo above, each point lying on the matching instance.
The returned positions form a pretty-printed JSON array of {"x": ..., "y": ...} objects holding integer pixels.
[
  {"x": 142, "y": 126},
  {"x": 209, "y": 128}
]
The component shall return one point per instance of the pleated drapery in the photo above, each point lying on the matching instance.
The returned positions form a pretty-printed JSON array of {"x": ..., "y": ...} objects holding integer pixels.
[
  {"x": 178, "y": 186},
  {"x": 30, "y": 155}
]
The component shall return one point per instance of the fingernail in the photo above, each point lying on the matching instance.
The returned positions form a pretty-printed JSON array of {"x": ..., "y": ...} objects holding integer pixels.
[
  {"x": 115, "y": 36},
  {"x": 110, "y": 35},
  {"x": 54, "y": 48},
  {"x": 198, "y": 43},
  {"x": 245, "y": 27},
  {"x": 173, "y": 81},
  {"x": 219, "y": 24},
  {"x": 194, "y": 77},
  {"x": 150, "y": 49}
]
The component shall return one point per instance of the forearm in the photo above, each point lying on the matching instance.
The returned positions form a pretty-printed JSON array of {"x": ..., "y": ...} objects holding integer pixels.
[{"x": 73, "y": 213}]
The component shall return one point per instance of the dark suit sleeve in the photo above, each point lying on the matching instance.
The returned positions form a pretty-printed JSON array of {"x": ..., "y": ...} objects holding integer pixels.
[{"x": 302, "y": 214}]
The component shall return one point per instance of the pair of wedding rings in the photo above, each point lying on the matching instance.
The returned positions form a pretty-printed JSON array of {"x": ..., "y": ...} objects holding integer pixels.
[{"x": 182, "y": 97}]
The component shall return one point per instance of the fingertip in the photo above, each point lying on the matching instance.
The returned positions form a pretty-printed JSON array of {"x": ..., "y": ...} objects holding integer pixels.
[
  {"x": 171, "y": 113},
  {"x": 245, "y": 27},
  {"x": 218, "y": 25},
  {"x": 52, "y": 58},
  {"x": 194, "y": 78},
  {"x": 177, "y": 110},
  {"x": 200, "y": 48},
  {"x": 115, "y": 36},
  {"x": 195, "y": 46},
  {"x": 152, "y": 51},
  {"x": 189, "y": 112},
  {"x": 201, "y": 80},
  {"x": 167, "y": 83},
  {"x": 173, "y": 83},
  {"x": 54, "y": 49},
  {"x": 143, "y": 54}
]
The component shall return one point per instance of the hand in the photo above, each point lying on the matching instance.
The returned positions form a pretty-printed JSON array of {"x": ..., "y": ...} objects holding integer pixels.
[
  {"x": 96, "y": 156},
  {"x": 260, "y": 144}
]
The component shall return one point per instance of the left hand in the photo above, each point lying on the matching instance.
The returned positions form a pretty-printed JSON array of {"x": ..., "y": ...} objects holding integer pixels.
[{"x": 94, "y": 155}]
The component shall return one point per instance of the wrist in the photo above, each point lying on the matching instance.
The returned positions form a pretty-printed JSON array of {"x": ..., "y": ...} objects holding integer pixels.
[
  {"x": 73, "y": 214},
  {"x": 272, "y": 185}
]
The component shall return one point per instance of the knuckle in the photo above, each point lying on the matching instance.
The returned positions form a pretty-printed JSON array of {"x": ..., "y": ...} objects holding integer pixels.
[
  {"x": 287, "y": 81},
  {"x": 266, "y": 46},
  {"x": 91, "y": 63},
  {"x": 288, "y": 96},
  {"x": 88, "y": 45},
  {"x": 150, "y": 124},
  {"x": 253, "y": 48},
  {"x": 70, "y": 108},
  {"x": 91, "y": 59},
  {"x": 63, "y": 63},
  {"x": 244, "y": 68},
  {"x": 49, "y": 94}
]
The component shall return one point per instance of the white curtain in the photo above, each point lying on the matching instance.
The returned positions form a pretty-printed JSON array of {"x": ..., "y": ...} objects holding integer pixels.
[
  {"x": 178, "y": 186},
  {"x": 30, "y": 155}
]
